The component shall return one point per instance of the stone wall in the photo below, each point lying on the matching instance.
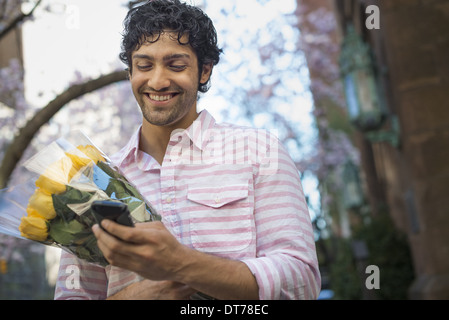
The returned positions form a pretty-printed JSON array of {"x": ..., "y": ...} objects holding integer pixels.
[{"x": 412, "y": 50}]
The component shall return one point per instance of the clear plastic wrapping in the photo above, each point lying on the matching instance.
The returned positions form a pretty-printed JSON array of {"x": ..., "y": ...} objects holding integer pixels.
[{"x": 55, "y": 208}]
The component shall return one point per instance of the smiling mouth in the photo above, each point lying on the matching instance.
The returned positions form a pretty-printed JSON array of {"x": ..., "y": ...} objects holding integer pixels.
[{"x": 161, "y": 97}]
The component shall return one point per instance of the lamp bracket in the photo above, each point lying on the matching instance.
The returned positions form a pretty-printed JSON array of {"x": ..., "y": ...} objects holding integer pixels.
[{"x": 391, "y": 136}]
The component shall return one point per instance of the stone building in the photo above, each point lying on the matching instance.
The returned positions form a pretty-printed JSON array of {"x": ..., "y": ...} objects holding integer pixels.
[{"x": 405, "y": 155}]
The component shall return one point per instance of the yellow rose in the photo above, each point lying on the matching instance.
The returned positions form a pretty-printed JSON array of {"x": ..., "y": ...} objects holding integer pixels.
[
  {"x": 41, "y": 203},
  {"x": 92, "y": 152},
  {"x": 3, "y": 266},
  {"x": 34, "y": 228},
  {"x": 56, "y": 176},
  {"x": 78, "y": 162}
]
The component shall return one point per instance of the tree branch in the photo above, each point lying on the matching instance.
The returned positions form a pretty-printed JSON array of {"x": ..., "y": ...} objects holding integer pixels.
[
  {"x": 21, "y": 141},
  {"x": 17, "y": 20}
]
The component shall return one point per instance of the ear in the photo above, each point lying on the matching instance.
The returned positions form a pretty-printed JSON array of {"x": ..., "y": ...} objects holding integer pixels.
[{"x": 207, "y": 71}]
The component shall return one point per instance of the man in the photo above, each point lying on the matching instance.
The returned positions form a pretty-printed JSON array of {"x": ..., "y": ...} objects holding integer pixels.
[{"x": 235, "y": 223}]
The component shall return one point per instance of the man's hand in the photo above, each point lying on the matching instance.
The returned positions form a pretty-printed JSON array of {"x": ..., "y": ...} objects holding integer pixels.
[
  {"x": 148, "y": 249},
  {"x": 154, "y": 290}
]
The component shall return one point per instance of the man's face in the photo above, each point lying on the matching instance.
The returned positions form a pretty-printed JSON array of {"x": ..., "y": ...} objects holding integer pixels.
[{"x": 165, "y": 80}]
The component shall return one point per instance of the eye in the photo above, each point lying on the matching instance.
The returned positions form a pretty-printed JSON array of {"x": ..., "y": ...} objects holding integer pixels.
[
  {"x": 178, "y": 68},
  {"x": 144, "y": 67}
]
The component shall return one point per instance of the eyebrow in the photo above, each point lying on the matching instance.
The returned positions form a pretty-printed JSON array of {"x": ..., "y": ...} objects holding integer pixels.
[{"x": 169, "y": 57}]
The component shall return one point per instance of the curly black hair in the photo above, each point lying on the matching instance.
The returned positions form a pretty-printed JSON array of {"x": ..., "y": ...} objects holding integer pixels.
[{"x": 149, "y": 20}]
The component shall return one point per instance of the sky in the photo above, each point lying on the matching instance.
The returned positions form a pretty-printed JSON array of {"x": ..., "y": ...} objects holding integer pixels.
[{"x": 78, "y": 35}]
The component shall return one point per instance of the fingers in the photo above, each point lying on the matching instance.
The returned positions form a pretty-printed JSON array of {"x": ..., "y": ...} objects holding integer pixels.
[
  {"x": 121, "y": 232},
  {"x": 148, "y": 249},
  {"x": 139, "y": 234},
  {"x": 114, "y": 250},
  {"x": 122, "y": 246},
  {"x": 162, "y": 290},
  {"x": 181, "y": 291}
]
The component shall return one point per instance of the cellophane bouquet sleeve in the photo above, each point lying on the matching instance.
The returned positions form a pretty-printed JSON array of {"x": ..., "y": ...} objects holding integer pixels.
[{"x": 55, "y": 207}]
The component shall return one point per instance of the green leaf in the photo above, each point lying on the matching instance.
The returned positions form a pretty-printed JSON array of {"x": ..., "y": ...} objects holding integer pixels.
[
  {"x": 72, "y": 195},
  {"x": 66, "y": 233}
]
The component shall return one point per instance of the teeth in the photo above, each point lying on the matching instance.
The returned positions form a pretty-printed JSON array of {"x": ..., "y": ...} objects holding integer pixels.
[{"x": 160, "y": 98}]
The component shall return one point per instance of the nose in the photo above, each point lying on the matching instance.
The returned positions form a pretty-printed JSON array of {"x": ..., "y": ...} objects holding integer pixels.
[{"x": 158, "y": 80}]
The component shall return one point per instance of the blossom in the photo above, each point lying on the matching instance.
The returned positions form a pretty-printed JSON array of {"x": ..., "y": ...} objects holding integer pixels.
[
  {"x": 77, "y": 161},
  {"x": 34, "y": 228},
  {"x": 57, "y": 176},
  {"x": 3, "y": 266},
  {"x": 41, "y": 203},
  {"x": 92, "y": 152}
]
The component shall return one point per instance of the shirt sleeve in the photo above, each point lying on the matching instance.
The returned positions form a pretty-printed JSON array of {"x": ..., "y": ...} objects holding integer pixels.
[
  {"x": 80, "y": 280},
  {"x": 286, "y": 265}
]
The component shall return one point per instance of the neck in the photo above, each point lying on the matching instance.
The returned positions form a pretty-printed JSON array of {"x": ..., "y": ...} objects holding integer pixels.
[{"x": 154, "y": 138}]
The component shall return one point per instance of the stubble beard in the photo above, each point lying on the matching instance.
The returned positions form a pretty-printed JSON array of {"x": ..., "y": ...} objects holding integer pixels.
[{"x": 167, "y": 115}]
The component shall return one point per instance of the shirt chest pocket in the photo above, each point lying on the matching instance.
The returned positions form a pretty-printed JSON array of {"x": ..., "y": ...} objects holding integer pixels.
[{"x": 220, "y": 216}]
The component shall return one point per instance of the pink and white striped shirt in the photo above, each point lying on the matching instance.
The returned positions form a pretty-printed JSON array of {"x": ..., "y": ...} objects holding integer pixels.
[{"x": 225, "y": 190}]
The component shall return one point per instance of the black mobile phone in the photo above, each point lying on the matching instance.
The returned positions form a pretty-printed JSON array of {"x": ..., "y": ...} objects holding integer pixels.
[{"x": 113, "y": 210}]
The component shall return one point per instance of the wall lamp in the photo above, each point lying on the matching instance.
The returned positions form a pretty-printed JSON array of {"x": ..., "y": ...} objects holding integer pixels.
[{"x": 366, "y": 107}]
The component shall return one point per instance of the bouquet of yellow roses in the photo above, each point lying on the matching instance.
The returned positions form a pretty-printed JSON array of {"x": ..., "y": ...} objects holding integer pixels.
[{"x": 55, "y": 209}]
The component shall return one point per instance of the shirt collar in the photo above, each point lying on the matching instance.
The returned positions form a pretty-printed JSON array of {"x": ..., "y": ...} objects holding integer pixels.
[
  {"x": 196, "y": 133},
  {"x": 129, "y": 151}
]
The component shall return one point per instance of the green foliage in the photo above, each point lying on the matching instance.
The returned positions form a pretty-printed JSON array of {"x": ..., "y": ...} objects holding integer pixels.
[
  {"x": 389, "y": 250},
  {"x": 344, "y": 279}
]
